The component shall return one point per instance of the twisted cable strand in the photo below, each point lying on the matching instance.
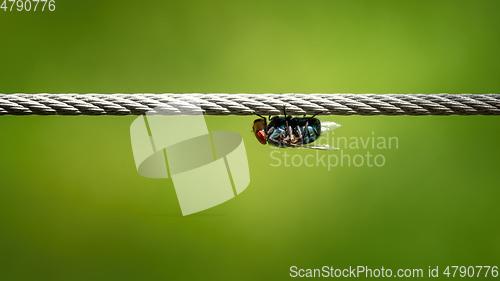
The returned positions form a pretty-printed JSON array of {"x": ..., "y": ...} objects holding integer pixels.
[{"x": 248, "y": 104}]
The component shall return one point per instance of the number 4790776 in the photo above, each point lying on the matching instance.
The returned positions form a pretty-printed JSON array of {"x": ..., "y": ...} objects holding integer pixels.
[{"x": 28, "y": 5}]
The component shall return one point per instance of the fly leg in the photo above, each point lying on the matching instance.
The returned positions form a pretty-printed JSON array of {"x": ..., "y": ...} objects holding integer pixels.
[
  {"x": 288, "y": 132},
  {"x": 270, "y": 131},
  {"x": 282, "y": 139},
  {"x": 304, "y": 132}
]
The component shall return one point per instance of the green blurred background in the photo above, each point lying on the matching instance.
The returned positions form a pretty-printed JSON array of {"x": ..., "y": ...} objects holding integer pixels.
[{"x": 72, "y": 206}]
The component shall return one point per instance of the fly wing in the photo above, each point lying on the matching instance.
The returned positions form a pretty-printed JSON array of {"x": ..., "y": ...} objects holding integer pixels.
[
  {"x": 328, "y": 126},
  {"x": 318, "y": 147}
]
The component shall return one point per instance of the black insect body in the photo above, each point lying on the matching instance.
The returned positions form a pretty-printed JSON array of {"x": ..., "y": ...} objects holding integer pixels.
[{"x": 285, "y": 131}]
